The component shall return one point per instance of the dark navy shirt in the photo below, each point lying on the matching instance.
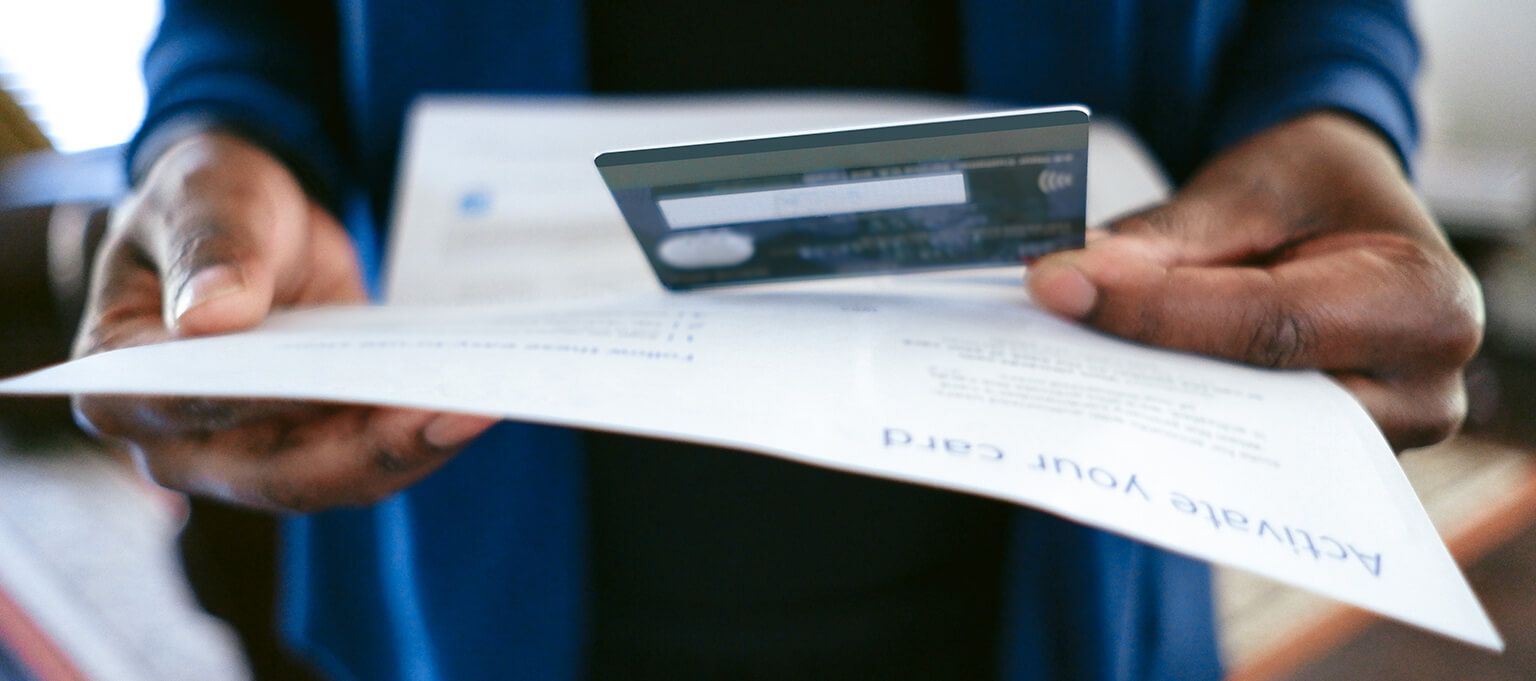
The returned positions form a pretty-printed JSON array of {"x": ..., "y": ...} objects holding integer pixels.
[
  {"x": 690, "y": 46},
  {"x": 486, "y": 570},
  {"x": 710, "y": 564}
]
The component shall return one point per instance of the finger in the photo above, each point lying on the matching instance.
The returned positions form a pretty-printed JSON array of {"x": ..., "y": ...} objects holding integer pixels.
[
  {"x": 356, "y": 456},
  {"x": 1412, "y": 414},
  {"x": 397, "y": 448},
  {"x": 1367, "y": 306},
  {"x": 332, "y": 275},
  {"x": 124, "y": 309},
  {"x": 208, "y": 246},
  {"x": 122, "y": 306},
  {"x": 225, "y": 225},
  {"x": 1204, "y": 229},
  {"x": 1157, "y": 238},
  {"x": 138, "y": 417}
]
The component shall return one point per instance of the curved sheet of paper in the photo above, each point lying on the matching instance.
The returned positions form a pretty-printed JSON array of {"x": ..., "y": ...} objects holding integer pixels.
[{"x": 948, "y": 380}]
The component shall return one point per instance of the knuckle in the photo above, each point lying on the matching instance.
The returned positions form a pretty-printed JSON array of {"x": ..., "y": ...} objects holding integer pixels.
[
  {"x": 1438, "y": 415},
  {"x": 199, "y": 415},
  {"x": 403, "y": 448},
  {"x": 393, "y": 460},
  {"x": 1456, "y": 339},
  {"x": 284, "y": 435},
  {"x": 137, "y": 420},
  {"x": 408, "y": 457},
  {"x": 1432, "y": 301},
  {"x": 1458, "y": 333},
  {"x": 147, "y": 417},
  {"x": 1449, "y": 326},
  {"x": 1278, "y": 338}
]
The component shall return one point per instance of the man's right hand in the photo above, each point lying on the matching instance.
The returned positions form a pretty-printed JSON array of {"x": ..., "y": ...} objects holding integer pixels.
[{"x": 217, "y": 235}]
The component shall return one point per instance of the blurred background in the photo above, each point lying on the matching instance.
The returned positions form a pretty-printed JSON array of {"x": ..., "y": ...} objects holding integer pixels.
[{"x": 104, "y": 577}]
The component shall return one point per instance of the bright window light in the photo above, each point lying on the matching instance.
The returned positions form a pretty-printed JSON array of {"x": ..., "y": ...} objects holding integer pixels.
[{"x": 74, "y": 66}]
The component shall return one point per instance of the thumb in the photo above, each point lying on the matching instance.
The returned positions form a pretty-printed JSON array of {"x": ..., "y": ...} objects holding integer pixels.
[
  {"x": 1137, "y": 248},
  {"x": 232, "y": 233},
  {"x": 214, "y": 296},
  {"x": 1158, "y": 284}
]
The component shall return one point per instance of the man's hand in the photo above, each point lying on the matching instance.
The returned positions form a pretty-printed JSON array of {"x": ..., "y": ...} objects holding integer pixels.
[
  {"x": 216, "y": 236},
  {"x": 1304, "y": 246}
]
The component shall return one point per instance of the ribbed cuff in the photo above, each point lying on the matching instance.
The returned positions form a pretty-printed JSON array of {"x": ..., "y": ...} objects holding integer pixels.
[
  {"x": 1355, "y": 89},
  {"x": 261, "y": 114}
]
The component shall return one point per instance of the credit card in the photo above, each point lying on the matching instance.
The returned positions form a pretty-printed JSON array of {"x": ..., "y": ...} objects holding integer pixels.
[{"x": 971, "y": 191}]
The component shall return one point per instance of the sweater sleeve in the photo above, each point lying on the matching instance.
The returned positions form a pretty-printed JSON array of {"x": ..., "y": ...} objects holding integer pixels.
[
  {"x": 1294, "y": 56},
  {"x": 266, "y": 70}
]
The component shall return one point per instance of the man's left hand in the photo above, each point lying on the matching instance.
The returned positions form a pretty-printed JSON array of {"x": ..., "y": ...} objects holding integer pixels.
[{"x": 1301, "y": 247}]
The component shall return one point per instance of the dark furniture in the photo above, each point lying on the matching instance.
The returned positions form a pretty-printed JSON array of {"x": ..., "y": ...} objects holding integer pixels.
[{"x": 53, "y": 212}]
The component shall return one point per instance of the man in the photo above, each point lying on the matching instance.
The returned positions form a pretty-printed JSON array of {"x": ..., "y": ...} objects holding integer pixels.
[{"x": 1294, "y": 240}]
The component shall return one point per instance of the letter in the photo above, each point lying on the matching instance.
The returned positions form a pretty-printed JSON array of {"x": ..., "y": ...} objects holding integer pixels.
[
  {"x": 1076, "y": 469},
  {"x": 1133, "y": 485},
  {"x": 1235, "y": 519},
  {"x": 1107, "y": 480},
  {"x": 1184, "y": 503},
  {"x": 1371, "y": 561},
  {"x": 1038, "y": 464},
  {"x": 1310, "y": 546},
  {"x": 1210, "y": 514},
  {"x": 995, "y": 453},
  {"x": 892, "y": 433},
  {"x": 1266, "y": 528},
  {"x": 1325, "y": 539},
  {"x": 960, "y": 447}
]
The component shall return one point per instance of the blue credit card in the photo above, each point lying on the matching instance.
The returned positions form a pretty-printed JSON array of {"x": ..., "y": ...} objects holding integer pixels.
[{"x": 972, "y": 191}]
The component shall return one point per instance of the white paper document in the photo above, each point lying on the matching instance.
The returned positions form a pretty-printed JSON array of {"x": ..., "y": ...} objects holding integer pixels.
[
  {"x": 945, "y": 380},
  {"x": 951, "y": 380}
]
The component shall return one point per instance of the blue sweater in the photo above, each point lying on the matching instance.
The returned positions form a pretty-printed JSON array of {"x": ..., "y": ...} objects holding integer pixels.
[{"x": 480, "y": 571}]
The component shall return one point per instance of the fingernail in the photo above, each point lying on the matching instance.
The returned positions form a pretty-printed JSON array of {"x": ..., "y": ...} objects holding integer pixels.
[
  {"x": 208, "y": 285},
  {"x": 451, "y": 431},
  {"x": 1063, "y": 288}
]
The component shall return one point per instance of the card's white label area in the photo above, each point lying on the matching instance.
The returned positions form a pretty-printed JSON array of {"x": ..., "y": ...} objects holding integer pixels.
[{"x": 798, "y": 202}]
